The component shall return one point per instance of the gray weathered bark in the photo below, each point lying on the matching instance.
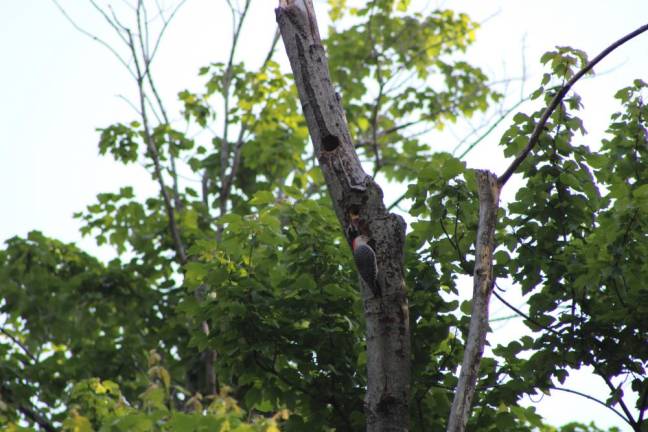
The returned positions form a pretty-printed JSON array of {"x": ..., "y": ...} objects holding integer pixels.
[
  {"x": 357, "y": 200},
  {"x": 490, "y": 187},
  {"x": 483, "y": 281}
]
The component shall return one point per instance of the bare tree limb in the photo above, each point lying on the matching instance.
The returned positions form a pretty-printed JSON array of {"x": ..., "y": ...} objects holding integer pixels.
[
  {"x": 153, "y": 153},
  {"x": 143, "y": 75},
  {"x": 593, "y": 399},
  {"x": 273, "y": 45},
  {"x": 227, "y": 81},
  {"x": 20, "y": 344},
  {"x": 622, "y": 404},
  {"x": 142, "y": 26},
  {"x": 95, "y": 38},
  {"x": 27, "y": 410},
  {"x": 642, "y": 405},
  {"x": 164, "y": 28},
  {"x": 113, "y": 22},
  {"x": 36, "y": 418},
  {"x": 483, "y": 282},
  {"x": 492, "y": 127},
  {"x": 489, "y": 187},
  {"x": 130, "y": 104},
  {"x": 539, "y": 127},
  {"x": 391, "y": 130}
]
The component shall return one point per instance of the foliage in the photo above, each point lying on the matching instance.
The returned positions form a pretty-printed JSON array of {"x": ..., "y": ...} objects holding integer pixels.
[
  {"x": 121, "y": 345},
  {"x": 100, "y": 405}
]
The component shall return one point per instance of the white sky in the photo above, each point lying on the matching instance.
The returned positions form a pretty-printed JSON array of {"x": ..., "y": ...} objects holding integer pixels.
[{"x": 57, "y": 86}]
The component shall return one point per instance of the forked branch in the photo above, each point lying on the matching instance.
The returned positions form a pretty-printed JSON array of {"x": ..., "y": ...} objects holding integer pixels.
[
  {"x": 489, "y": 188},
  {"x": 483, "y": 282}
]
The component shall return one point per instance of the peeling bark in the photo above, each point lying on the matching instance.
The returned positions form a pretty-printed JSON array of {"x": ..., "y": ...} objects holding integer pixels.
[
  {"x": 358, "y": 200},
  {"x": 483, "y": 282},
  {"x": 490, "y": 187}
]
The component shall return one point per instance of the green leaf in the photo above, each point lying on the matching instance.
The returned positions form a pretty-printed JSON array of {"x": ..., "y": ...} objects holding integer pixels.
[
  {"x": 195, "y": 273},
  {"x": 641, "y": 191},
  {"x": 466, "y": 307},
  {"x": 262, "y": 198}
]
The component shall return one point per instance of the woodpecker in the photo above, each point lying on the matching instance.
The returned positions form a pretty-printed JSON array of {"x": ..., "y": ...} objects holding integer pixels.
[{"x": 365, "y": 259}]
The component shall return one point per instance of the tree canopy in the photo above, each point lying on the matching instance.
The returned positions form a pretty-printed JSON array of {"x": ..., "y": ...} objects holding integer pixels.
[{"x": 234, "y": 303}]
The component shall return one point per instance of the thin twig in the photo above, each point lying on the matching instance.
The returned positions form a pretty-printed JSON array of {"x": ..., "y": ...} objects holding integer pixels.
[
  {"x": 642, "y": 405},
  {"x": 381, "y": 86},
  {"x": 20, "y": 344},
  {"x": 229, "y": 180},
  {"x": 227, "y": 81},
  {"x": 537, "y": 131},
  {"x": 491, "y": 128},
  {"x": 273, "y": 45},
  {"x": 592, "y": 399},
  {"x": 113, "y": 22},
  {"x": 396, "y": 202},
  {"x": 164, "y": 27},
  {"x": 95, "y": 38},
  {"x": 629, "y": 419},
  {"x": 130, "y": 104},
  {"x": 146, "y": 35},
  {"x": 392, "y": 130},
  {"x": 142, "y": 36},
  {"x": 37, "y": 418},
  {"x": 153, "y": 153},
  {"x": 620, "y": 401},
  {"x": 523, "y": 315}
]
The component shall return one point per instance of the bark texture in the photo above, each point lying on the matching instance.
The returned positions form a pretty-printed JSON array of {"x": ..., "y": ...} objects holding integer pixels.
[
  {"x": 358, "y": 202},
  {"x": 489, "y": 190},
  {"x": 483, "y": 282}
]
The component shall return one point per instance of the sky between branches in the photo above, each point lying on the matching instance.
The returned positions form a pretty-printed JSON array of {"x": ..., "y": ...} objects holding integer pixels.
[{"x": 57, "y": 86}]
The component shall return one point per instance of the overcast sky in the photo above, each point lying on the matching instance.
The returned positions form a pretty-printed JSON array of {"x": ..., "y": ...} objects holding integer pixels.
[{"x": 57, "y": 86}]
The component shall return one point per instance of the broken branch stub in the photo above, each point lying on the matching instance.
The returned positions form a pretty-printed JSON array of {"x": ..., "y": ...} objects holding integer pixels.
[
  {"x": 483, "y": 281},
  {"x": 358, "y": 202}
]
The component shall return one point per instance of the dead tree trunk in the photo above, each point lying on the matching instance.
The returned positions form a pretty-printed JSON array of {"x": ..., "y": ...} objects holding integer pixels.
[
  {"x": 489, "y": 188},
  {"x": 358, "y": 202},
  {"x": 483, "y": 281}
]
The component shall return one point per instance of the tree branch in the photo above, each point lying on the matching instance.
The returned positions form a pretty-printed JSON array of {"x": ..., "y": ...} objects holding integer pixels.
[
  {"x": 113, "y": 22},
  {"x": 227, "y": 81},
  {"x": 483, "y": 282},
  {"x": 164, "y": 27},
  {"x": 592, "y": 399},
  {"x": 95, "y": 38},
  {"x": 36, "y": 418},
  {"x": 491, "y": 128},
  {"x": 153, "y": 153},
  {"x": 642, "y": 405},
  {"x": 381, "y": 86},
  {"x": 226, "y": 187},
  {"x": 537, "y": 131},
  {"x": 273, "y": 45},
  {"x": 148, "y": 59},
  {"x": 525, "y": 316},
  {"x": 620, "y": 401},
  {"x": 27, "y": 411},
  {"x": 20, "y": 344},
  {"x": 390, "y": 131}
]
